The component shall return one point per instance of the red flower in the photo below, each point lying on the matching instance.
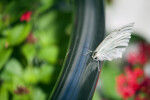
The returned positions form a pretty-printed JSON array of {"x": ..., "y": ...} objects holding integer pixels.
[
  {"x": 120, "y": 80},
  {"x": 138, "y": 72},
  {"x": 144, "y": 48},
  {"x": 142, "y": 59},
  {"x": 132, "y": 58},
  {"x": 26, "y": 16},
  {"x": 137, "y": 58},
  {"x": 123, "y": 88},
  {"x": 131, "y": 79},
  {"x": 134, "y": 83},
  {"x": 145, "y": 86},
  {"x": 128, "y": 85}
]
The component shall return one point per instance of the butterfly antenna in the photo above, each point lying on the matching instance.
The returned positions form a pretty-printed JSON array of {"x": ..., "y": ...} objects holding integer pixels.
[{"x": 89, "y": 51}]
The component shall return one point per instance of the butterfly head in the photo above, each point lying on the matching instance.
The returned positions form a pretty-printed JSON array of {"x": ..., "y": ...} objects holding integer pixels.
[{"x": 94, "y": 56}]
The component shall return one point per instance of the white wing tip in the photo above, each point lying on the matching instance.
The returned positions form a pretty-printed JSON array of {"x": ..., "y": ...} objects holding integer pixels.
[
  {"x": 130, "y": 24},
  {"x": 126, "y": 28}
]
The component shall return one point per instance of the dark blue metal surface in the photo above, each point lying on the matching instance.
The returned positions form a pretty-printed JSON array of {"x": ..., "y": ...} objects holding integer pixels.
[{"x": 77, "y": 80}]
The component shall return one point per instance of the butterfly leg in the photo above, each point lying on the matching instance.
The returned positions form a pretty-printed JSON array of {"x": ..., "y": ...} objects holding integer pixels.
[{"x": 98, "y": 66}]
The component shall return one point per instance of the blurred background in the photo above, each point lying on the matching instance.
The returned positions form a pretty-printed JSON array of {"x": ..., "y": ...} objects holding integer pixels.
[
  {"x": 34, "y": 37},
  {"x": 127, "y": 78}
]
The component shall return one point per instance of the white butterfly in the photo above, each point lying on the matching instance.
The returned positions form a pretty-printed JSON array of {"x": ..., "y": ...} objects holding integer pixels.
[{"x": 113, "y": 45}]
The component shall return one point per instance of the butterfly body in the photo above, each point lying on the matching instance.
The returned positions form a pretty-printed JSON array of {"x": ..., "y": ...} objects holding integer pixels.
[{"x": 113, "y": 45}]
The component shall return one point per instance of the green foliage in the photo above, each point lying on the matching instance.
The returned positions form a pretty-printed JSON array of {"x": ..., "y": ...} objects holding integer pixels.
[
  {"x": 49, "y": 54},
  {"x": 5, "y": 54},
  {"x": 96, "y": 96},
  {"x": 28, "y": 50},
  {"x": 136, "y": 38},
  {"x": 38, "y": 94},
  {"x": 46, "y": 72},
  {"x": 47, "y": 20},
  {"x": 17, "y": 34},
  {"x": 108, "y": 75},
  {"x": 106, "y": 88},
  {"x": 3, "y": 93},
  {"x": 31, "y": 48},
  {"x": 13, "y": 68}
]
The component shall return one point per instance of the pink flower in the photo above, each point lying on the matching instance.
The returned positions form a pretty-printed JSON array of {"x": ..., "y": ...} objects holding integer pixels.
[{"x": 26, "y": 16}]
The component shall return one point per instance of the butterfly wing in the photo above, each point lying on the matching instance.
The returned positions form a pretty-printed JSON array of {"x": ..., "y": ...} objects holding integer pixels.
[{"x": 114, "y": 44}]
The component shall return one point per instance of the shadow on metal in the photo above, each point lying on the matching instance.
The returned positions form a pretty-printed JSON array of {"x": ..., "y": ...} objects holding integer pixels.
[{"x": 78, "y": 78}]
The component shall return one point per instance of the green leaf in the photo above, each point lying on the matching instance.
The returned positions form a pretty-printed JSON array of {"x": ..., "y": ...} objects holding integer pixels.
[
  {"x": 2, "y": 43},
  {"x": 12, "y": 72},
  {"x": 31, "y": 75},
  {"x": 49, "y": 53},
  {"x": 108, "y": 75},
  {"x": 3, "y": 93},
  {"x": 4, "y": 56},
  {"x": 96, "y": 96},
  {"x": 21, "y": 97},
  {"x": 38, "y": 94},
  {"x": 14, "y": 67},
  {"x": 1, "y": 24},
  {"x": 47, "y": 37},
  {"x": 45, "y": 4},
  {"x": 136, "y": 38},
  {"x": 29, "y": 51},
  {"x": 46, "y": 72},
  {"x": 18, "y": 34},
  {"x": 47, "y": 20}
]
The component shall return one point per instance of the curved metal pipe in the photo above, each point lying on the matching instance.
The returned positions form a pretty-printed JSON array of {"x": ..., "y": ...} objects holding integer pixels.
[{"x": 78, "y": 78}]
